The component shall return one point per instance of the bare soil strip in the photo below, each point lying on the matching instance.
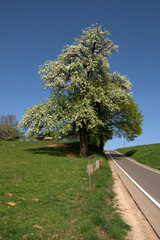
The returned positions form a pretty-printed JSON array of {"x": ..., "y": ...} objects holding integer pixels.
[{"x": 63, "y": 146}]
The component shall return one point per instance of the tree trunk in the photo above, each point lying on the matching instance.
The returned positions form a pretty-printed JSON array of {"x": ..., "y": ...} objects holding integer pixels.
[
  {"x": 83, "y": 141},
  {"x": 101, "y": 140}
]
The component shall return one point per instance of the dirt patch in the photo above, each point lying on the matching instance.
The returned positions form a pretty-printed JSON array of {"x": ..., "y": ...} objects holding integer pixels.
[
  {"x": 63, "y": 146},
  {"x": 140, "y": 228},
  {"x": 72, "y": 156},
  {"x": 38, "y": 227},
  {"x": 11, "y": 203},
  {"x": 21, "y": 198},
  {"x": 35, "y": 199},
  {"x": 9, "y": 194}
]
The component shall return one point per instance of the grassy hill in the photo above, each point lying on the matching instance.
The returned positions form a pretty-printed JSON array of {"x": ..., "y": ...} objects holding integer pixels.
[
  {"x": 146, "y": 154},
  {"x": 45, "y": 194}
]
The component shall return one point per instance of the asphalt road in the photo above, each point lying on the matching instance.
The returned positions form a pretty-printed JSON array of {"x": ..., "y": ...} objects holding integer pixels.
[{"x": 147, "y": 179}]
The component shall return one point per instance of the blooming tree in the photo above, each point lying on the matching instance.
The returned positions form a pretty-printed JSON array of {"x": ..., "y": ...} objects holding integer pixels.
[{"x": 81, "y": 89}]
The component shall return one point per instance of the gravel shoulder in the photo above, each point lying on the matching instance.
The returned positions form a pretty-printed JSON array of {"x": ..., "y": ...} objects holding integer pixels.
[{"x": 140, "y": 228}]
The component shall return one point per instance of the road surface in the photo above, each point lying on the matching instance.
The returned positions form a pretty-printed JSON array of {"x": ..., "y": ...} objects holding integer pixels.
[{"x": 140, "y": 181}]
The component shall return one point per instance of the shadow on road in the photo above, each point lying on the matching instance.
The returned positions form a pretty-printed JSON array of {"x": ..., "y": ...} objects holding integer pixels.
[{"x": 118, "y": 156}]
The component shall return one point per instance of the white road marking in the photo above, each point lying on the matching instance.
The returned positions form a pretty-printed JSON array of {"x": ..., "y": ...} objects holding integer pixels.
[{"x": 149, "y": 196}]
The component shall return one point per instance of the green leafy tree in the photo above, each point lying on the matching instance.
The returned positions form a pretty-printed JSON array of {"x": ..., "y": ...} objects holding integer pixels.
[
  {"x": 125, "y": 122},
  {"x": 8, "y": 127},
  {"x": 128, "y": 121},
  {"x": 80, "y": 85}
]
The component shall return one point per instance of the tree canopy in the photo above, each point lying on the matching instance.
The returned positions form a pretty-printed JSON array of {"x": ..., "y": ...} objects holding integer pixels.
[
  {"x": 128, "y": 121},
  {"x": 83, "y": 93},
  {"x": 8, "y": 127}
]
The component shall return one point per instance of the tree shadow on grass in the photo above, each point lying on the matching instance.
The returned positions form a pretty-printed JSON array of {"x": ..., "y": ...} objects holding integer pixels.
[
  {"x": 131, "y": 152},
  {"x": 56, "y": 150},
  {"x": 64, "y": 150}
]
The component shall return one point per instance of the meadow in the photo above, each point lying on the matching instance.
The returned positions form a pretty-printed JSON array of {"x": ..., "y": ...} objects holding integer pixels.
[
  {"x": 146, "y": 154},
  {"x": 44, "y": 194}
]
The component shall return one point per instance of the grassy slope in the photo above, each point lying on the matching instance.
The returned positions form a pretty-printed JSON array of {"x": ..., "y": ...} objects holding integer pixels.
[
  {"x": 146, "y": 154},
  {"x": 51, "y": 194}
]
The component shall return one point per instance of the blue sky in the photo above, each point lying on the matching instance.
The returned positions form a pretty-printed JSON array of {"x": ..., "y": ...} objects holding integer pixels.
[{"x": 32, "y": 32}]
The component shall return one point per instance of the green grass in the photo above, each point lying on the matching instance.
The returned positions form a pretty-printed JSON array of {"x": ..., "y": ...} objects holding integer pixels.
[
  {"x": 146, "y": 154},
  {"x": 51, "y": 194}
]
